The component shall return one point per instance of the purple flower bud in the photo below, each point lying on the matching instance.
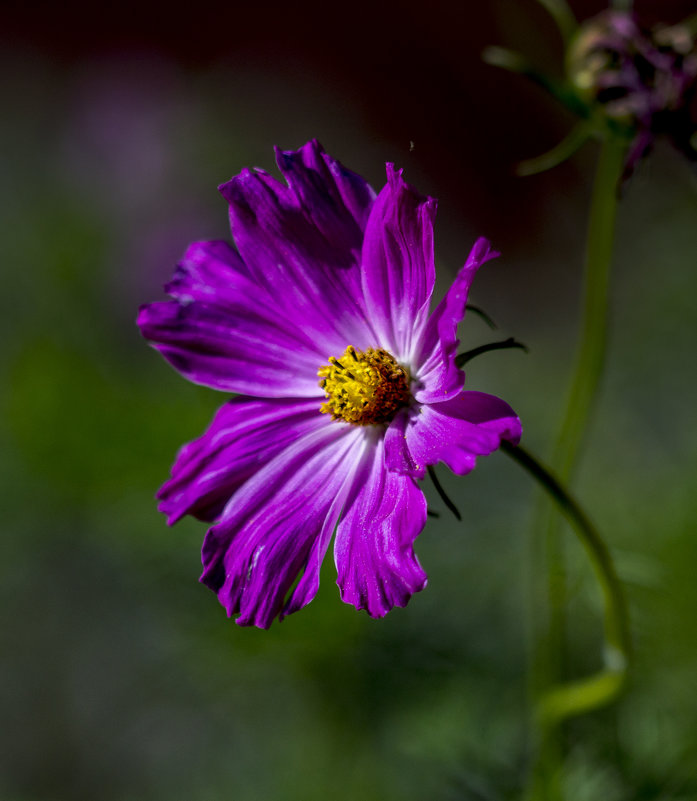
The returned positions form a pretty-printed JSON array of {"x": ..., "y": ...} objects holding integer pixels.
[{"x": 640, "y": 80}]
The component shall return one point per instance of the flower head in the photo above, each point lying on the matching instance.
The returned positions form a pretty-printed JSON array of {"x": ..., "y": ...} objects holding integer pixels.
[
  {"x": 641, "y": 79},
  {"x": 623, "y": 81},
  {"x": 347, "y": 389}
]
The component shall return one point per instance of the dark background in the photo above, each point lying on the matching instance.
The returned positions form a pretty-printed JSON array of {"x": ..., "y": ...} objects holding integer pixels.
[{"x": 120, "y": 677}]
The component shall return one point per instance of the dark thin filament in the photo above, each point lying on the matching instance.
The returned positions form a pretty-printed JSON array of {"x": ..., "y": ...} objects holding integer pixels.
[{"x": 441, "y": 492}]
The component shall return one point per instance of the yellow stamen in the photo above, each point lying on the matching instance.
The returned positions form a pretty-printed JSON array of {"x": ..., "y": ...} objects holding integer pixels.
[{"x": 364, "y": 387}]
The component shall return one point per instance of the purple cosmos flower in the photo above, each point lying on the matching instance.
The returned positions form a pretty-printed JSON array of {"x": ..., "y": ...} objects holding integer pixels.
[{"x": 347, "y": 388}]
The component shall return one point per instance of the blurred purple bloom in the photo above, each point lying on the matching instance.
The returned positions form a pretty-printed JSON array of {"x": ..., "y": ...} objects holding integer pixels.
[
  {"x": 319, "y": 320},
  {"x": 642, "y": 79}
]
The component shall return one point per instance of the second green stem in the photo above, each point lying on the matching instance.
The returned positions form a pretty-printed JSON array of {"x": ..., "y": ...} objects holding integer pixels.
[
  {"x": 590, "y": 358},
  {"x": 583, "y": 388}
]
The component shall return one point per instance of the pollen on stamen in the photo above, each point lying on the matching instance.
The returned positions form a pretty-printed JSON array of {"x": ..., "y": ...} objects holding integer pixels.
[{"x": 365, "y": 387}]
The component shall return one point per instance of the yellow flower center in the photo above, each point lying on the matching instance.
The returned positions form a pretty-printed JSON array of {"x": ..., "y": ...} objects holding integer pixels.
[{"x": 364, "y": 388}]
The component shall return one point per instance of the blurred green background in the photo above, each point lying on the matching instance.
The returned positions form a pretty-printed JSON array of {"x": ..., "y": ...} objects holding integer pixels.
[{"x": 120, "y": 676}]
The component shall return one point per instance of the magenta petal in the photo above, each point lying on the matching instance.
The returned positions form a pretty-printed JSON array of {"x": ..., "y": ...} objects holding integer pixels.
[
  {"x": 398, "y": 264},
  {"x": 223, "y": 330},
  {"x": 278, "y": 524},
  {"x": 397, "y": 456},
  {"x": 336, "y": 200},
  {"x": 302, "y": 242},
  {"x": 440, "y": 379},
  {"x": 374, "y": 553},
  {"x": 240, "y": 354},
  {"x": 211, "y": 272},
  {"x": 455, "y": 432},
  {"x": 243, "y": 436}
]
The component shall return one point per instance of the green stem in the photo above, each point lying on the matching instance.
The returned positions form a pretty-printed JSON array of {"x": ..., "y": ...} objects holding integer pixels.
[
  {"x": 562, "y": 15},
  {"x": 578, "y": 135},
  {"x": 585, "y": 380},
  {"x": 591, "y": 354},
  {"x": 565, "y": 700},
  {"x": 549, "y": 643},
  {"x": 514, "y": 62},
  {"x": 576, "y": 697}
]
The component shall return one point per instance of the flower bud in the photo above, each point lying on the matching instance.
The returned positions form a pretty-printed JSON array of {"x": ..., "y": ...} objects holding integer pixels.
[{"x": 636, "y": 79}]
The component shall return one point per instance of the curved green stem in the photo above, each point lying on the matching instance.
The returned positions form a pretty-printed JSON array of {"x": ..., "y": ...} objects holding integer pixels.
[
  {"x": 576, "y": 697},
  {"x": 579, "y": 134},
  {"x": 514, "y": 62}
]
